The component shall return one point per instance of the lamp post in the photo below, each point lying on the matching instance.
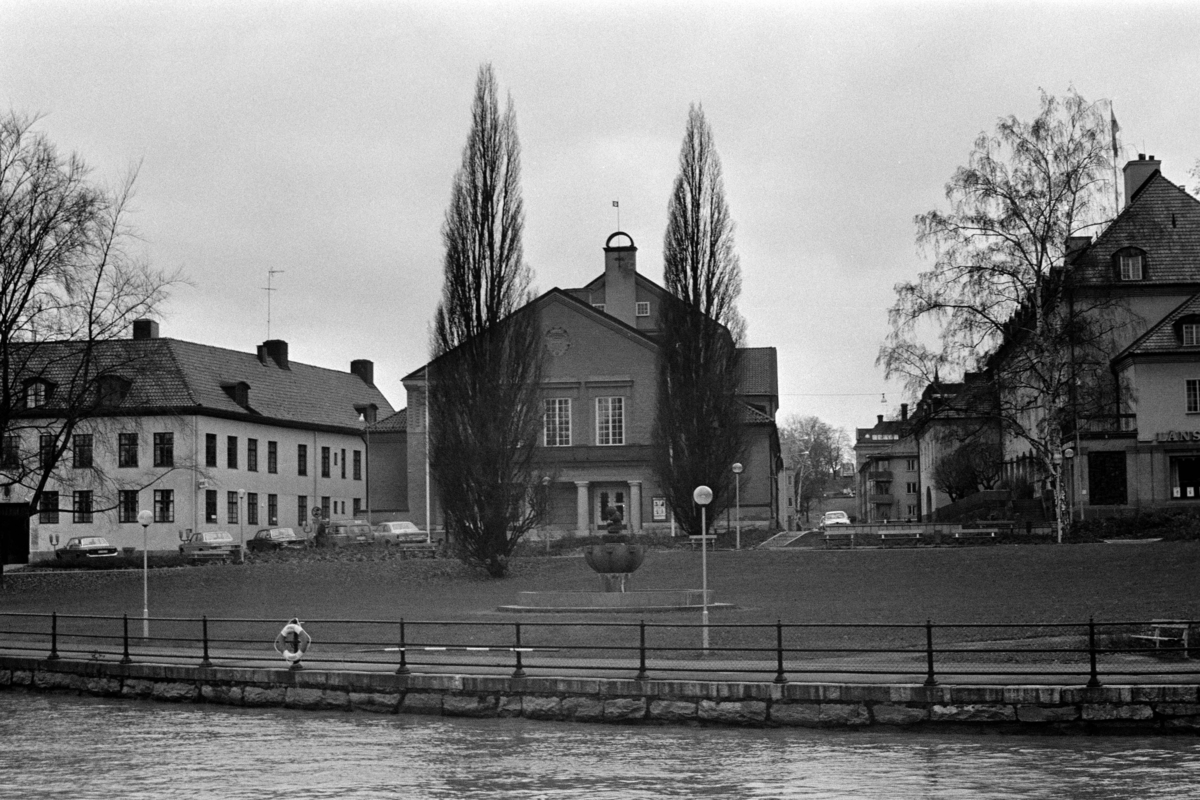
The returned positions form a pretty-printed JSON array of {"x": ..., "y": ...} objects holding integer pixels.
[
  {"x": 242, "y": 518},
  {"x": 145, "y": 518},
  {"x": 737, "y": 487},
  {"x": 703, "y": 496},
  {"x": 803, "y": 454}
]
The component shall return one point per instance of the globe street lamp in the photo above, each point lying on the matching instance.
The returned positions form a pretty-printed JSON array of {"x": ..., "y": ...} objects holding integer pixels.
[
  {"x": 703, "y": 496},
  {"x": 145, "y": 517},
  {"x": 737, "y": 484}
]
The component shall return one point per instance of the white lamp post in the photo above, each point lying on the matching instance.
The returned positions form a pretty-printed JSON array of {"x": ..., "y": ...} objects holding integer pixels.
[
  {"x": 242, "y": 518},
  {"x": 703, "y": 496},
  {"x": 737, "y": 485},
  {"x": 145, "y": 517}
]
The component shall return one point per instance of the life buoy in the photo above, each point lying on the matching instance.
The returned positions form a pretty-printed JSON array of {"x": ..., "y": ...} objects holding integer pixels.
[{"x": 292, "y": 642}]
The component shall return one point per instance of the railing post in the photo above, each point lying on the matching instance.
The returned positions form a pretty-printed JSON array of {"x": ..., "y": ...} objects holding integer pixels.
[
  {"x": 125, "y": 659},
  {"x": 205, "y": 662},
  {"x": 1094, "y": 680},
  {"x": 641, "y": 675},
  {"x": 403, "y": 668},
  {"x": 53, "y": 635},
  {"x": 519, "y": 672},
  {"x": 779, "y": 676},
  {"x": 929, "y": 679}
]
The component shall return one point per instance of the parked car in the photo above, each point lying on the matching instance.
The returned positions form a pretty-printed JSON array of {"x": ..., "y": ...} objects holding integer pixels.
[
  {"x": 834, "y": 518},
  {"x": 210, "y": 546},
  {"x": 86, "y": 548},
  {"x": 269, "y": 539},
  {"x": 342, "y": 532},
  {"x": 400, "y": 533}
]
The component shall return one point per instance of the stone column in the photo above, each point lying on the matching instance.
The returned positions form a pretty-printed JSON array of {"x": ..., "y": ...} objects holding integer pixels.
[
  {"x": 581, "y": 508},
  {"x": 635, "y": 507}
]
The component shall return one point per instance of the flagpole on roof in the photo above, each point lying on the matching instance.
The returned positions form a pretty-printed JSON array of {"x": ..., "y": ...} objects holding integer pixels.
[{"x": 617, "y": 206}]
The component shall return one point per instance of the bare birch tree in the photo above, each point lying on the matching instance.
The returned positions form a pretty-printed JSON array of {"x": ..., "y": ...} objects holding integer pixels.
[
  {"x": 997, "y": 292},
  {"x": 699, "y": 428},
  {"x": 485, "y": 372},
  {"x": 71, "y": 281}
]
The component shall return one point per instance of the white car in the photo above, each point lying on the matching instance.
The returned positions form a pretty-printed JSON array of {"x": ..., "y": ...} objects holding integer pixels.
[
  {"x": 400, "y": 533},
  {"x": 834, "y": 518}
]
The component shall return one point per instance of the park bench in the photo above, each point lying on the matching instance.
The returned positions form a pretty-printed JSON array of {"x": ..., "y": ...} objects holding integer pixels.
[
  {"x": 899, "y": 538},
  {"x": 417, "y": 550},
  {"x": 1173, "y": 633},
  {"x": 972, "y": 536},
  {"x": 708, "y": 539},
  {"x": 838, "y": 539}
]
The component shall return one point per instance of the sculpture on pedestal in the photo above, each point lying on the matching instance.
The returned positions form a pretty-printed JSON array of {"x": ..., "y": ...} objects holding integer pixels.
[{"x": 616, "y": 558}]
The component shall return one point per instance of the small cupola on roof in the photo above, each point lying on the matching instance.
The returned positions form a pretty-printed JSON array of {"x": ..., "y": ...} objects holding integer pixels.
[
  {"x": 620, "y": 278},
  {"x": 1137, "y": 173}
]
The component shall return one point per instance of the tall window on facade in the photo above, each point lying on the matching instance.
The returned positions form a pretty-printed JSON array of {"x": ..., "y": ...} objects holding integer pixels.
[
  {"x": 272, "y": 457},
  {"x": 10, "y": 451},
  {"x": 231, "y": 507},
  {"x": 48, "y": 508},
  {"x": 358, "y": 465},
  {"x": 127, "y": 505},
  {"x": 127, "y": 449},
  {"x": 1193, "y": 397},
  {"x": 324, "y": 462},
  {"x": 231, "y": 459},
  {"x": 301, "y": 509},
  {"x": 82, "y": 506},
  {"x": 1106, "y": 478},
  {"x": 610, "y": 420},
  {"x": 343, "y": 463},
  {"x": 272, "y": 509},
  {"x": 911, "y": 487},
  {"x": 210, "y": 449},
  {"x": 357, "y": 504},
  {"x": 325, "y": 507},
  {"x": 910, "y": 464},
  {"x": 556, "y": 422},
  {"x": 46, "y": 443},
  {"x": 210, "y": 505},
  {"x": 252, "y": 455},
  {"x": 164, "y": 449},
  {"x": 164, "y": 505},
  {"x": 81, "y": 450},
  {"x": 251, "y": 508},
  {"x": 1131, "y": 264},
  {"x": 301, "y": 459}
]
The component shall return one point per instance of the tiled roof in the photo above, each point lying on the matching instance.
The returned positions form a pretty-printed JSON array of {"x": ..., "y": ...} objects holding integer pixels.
[
  {"x": 185, "y": 377},
  {"x": 395, "y": 423},
  {"x": 760, "y": 371},
  {"x": 1164, "y": 221},
  {"x": 1161, "y": 337}
]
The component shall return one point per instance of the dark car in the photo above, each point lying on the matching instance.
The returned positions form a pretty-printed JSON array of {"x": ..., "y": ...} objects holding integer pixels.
[
  {"x": 343, "y": 532},
  {"x": 86, "y": 548},
  {"x": 269, "y": 539},
  {"x": 210, "y": 546}
]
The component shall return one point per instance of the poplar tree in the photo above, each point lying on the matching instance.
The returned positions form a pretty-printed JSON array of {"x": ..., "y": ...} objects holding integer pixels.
[
  {"x": 698, "y": 433},
  {"x": 484, "y": 374}
]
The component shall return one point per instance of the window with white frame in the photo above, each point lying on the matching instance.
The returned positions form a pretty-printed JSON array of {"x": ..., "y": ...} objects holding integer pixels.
[
  {"x": 1131, "y": 265},
  {"x": 911, "y": 487},
  {"x": 642, "y": 309},
  {"x": 1193, "y": 397},
  {"x": 910, "y": 464},
  {"x": 556, "y": 422},
  {"x": 1190, "y": 331},
  {"x": 610, "y": 420}
]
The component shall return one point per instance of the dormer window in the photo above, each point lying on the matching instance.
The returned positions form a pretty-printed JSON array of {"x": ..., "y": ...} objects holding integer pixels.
[
  {"x": 37, "y": 393},
  {"x": 1130, "y": 264},
  {"x": 238, "y": 392},
  {"x": 1187, "y": 330},
  {"x": 368, "y": 413},
  {"x": 112, "y": 389}
]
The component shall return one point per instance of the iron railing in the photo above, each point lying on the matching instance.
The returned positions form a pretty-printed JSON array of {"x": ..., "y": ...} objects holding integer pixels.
[{"x": 779, "y": 652}]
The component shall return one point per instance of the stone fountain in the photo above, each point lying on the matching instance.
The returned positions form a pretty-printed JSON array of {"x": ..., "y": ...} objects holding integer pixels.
[{"x": 615, "y": 558}]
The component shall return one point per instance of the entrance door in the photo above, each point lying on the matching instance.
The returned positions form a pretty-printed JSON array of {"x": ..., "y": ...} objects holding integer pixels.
[{"x": 14, "y": 533}]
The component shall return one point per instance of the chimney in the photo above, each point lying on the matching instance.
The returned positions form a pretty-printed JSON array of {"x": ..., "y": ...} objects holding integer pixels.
[
  {"x": 904, "y": 412},
  {"x": 145, "y": 329},
  {"x": 620, "y": 279},
  {"x": 364, "y": 369},
  {"x": 276, "y": 350},
  {"x": 1137, "y": 172},
  {"x": 880, "y": 418}
]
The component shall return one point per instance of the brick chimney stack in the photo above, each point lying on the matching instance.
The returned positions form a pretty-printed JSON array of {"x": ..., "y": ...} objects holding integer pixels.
[{"x": 1137, "y": 173}]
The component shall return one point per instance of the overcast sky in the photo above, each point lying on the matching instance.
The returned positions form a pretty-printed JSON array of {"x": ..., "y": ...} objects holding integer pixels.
[{"x": 320, "y": 139}]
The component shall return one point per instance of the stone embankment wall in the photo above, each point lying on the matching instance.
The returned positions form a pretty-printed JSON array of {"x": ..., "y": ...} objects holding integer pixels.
[{"x": 1138, "y": 708}]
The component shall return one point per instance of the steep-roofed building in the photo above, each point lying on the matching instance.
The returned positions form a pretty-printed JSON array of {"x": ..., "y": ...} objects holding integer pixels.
[
  {"x": 888, "y": 486},
  {"x": 599, "y": 389},
  {"x": 205, "y": 438}
]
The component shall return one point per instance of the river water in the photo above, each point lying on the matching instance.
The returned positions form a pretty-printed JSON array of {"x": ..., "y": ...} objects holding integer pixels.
[{"x": 58, "y": 746}]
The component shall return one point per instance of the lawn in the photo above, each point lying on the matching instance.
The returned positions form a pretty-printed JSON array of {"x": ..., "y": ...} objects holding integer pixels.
[{"x": 996, "y": 584}]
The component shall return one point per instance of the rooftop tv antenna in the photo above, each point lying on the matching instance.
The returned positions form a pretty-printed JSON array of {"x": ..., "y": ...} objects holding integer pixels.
[{"x": 268, "y": 289}]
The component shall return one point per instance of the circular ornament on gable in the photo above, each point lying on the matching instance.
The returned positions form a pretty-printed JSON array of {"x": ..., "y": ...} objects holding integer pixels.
[{"x": 558, "y": 341}]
